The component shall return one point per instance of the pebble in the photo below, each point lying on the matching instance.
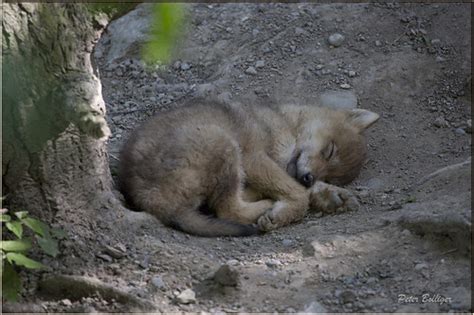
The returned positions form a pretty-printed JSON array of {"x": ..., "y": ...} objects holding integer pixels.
[
  {"x": 115, "y": 252},
  {"x": 185, "y": 66},
  {"x": 440, "y": 122},
  {"x": 251, "y": 70},
  {"x": 119, "y": 72},
  {"x": 378, "y": 43},
  {"x": 287, "y": 243},
  {"x": 348, "y": 296},
  {"x": 459, "y": 131},
  {"x": 469, "y": 126},
  {"x": 435, "y": 41},
  {"x": 226, "y": 276},
  {"x": 336, "y": 39},
  {"x": 232, "y": 262},
  {"x": 260, "y": 64},
  {"x": 421, "y": 266},
  {"x": 345, "y": 86},
  {"x": 372, "y": 280},
  {"x": 364, "y": 193},
  {"x": 299, "y": 31},
  {"x": 338, "y": 99},
  {"x": 104, "y": 257},
  {"x": 351, "y": 74},
  {"x": 273, "y": 263},
  {"x": 177, "y": 65},
  {"x": 158, "y": 282},
  {"x": 188, "y": 296},
  {"x": 406, "y": 233},
  {"x": 440, "y": 59},
  {"x": 314, "y": 248},
  {"x": 315, "y": 307},
  {"x": 66, "y": 302}
]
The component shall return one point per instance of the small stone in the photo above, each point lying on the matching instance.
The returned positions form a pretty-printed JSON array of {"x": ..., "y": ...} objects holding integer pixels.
[
  {"x": 260, "y": 64},
  {"x": 188, "y": 296},
  {"x": 351, "y": 74},
  {"x": 177, "y": 65},
  {"x": 348, "y": 296},
  {"x": 287, "y": 243},
  {"x": 315, "y": 307},
  {"x": 345, "y": 86},
  {"x": 315, "y": 248},
  {"x": 319, "y": 67},
  {"x": 115, "y": 252},
  {"x": 364, "y": 193},
  {"x": 226, "y": 276},
  {"x": 232, "y": 262},
  {"x": 435, "y": 41},
  {"x": 378, "y": 43},
  {"x": 406, "y": 233},
  {"x": 104, "y": 257},
  {"x": 440, "y": 122},
  {"x": 158, "y": 282},
  {"x": 468, "y": 128},
  {"x": 251, "y": 70},
  {"x": 185, "y": 66},
  {"x": 119, "y": 72},
  {"x": 421, "y": 266},
  {"x": 299, "y": 31},
  {"x": 66, "y": 302},
  {"x": 336, "y": 39},
  {"x": 440, "y": 59},
  {"x": 372, "y": 280},
  {"x": 318, "y": 214},
  {"x": 459, "y": 131},
  {"x": 273, "y": 263}
]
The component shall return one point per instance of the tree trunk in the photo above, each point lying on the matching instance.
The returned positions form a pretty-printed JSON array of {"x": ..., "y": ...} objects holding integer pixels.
[{"x": 55, "y": 161}]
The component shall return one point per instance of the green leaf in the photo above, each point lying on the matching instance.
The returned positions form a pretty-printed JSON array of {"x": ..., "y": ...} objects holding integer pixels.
[
  {"x": 21, "y": 214},
  {"x": 15, "y": 246},
  {"x": 10, "y": 282},
  {"x": 16, "y": 228},
  {"x": 58, "y": 233},
  {"x": 37, "y": 226},
  {"x": 48, "y": 245},
  {"x": 5, "y": 218},
  {"x": 22, "y": 260},
  {"x": 166, "y": 28}
]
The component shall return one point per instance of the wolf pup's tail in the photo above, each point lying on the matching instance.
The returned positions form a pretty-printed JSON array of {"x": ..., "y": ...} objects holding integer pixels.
[{"x": 196, "y": 223}]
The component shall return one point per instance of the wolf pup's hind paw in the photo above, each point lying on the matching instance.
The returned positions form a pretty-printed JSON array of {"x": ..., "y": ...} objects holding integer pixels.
[{"x": 332, "y": 199}]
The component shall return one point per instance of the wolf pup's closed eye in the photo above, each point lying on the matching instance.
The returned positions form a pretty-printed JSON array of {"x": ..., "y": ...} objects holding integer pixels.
[{"x": 252, "y": 168}]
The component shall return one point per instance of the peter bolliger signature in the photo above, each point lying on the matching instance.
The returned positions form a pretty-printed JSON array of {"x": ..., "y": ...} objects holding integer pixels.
[{"x": 424, "y": 298}]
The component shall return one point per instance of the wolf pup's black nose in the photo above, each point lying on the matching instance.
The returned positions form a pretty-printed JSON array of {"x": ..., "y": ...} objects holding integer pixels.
[{"x": 307, "y": 180}]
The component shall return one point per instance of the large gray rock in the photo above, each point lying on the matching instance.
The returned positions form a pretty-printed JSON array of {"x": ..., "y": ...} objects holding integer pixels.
[
  {"x": 126, "y": 35},
  {"x": 442, "y": 207}
]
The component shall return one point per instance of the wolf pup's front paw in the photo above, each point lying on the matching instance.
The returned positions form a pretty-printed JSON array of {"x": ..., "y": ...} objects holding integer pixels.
[
  {"x": 331, "y": 199},
  {"x": 265, "y": 222}
]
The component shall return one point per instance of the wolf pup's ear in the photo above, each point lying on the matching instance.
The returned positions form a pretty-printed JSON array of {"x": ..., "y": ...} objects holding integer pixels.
[{"x": 361, "y": 118}]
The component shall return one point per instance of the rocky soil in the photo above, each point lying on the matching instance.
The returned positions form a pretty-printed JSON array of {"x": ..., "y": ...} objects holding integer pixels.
[{"x": 409, "y": 246}]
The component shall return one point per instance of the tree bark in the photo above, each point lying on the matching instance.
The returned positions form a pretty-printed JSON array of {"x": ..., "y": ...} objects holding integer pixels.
[{"x": 55, "y": 162}]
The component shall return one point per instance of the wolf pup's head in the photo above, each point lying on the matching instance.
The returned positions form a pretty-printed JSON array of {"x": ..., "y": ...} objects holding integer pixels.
[{"x": 331, "y": 146}]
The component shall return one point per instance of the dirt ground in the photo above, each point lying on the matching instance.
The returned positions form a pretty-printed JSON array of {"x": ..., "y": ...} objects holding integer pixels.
[{"x": 407, "y": 248}]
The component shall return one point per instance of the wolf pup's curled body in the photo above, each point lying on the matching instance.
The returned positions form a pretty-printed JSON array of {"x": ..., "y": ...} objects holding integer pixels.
[{"x": 216, "y": 169}]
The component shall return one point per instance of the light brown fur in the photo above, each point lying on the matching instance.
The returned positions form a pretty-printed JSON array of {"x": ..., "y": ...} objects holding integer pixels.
[{"x": 241, "y": 165}]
